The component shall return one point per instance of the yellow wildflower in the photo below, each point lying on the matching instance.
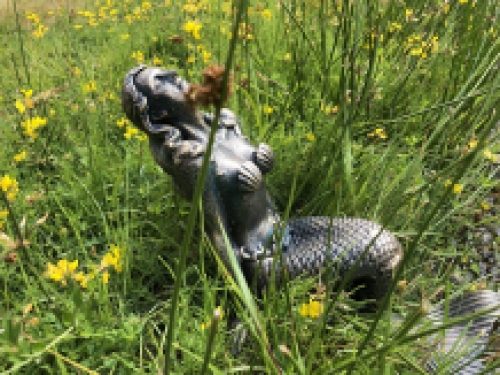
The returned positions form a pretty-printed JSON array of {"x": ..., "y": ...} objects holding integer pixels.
[
  {"x": 484, "y": 205},
  {"x": 20, "y": 157},
  {"x": 409, "y": 14},
  {"x": 81, "y": 279},
  {"x": 9, "y": 186},
  {"x": 7, "y": 183},
  {"x": 206, "y": 56},
  {"x": 118, "y": 253},
  {"x": 108, "y": 260},
  {"x": 378, "y": 133},
  {"x": 105, "y": 277},
  {"x": 33, "y": 17},
  {"x": 490, "y": 156},
  {"x": 86, "y": 13},
  {"x": 190, "y": 8},
  {"x": 447, "y": 183},
  {"x": 130, "y": 132},
  {"x": 435, "y": 44},
  {"x": 138, "y": 56},
  {"x": 66, "y": 267},
  {"x": 53, "y": 272},
  {"x": 27, "y": 93},
  {"x": 40, "y": 31},
  {"x": 157, "y": 61},
  {"x": 193, "y": 28},
  {"x": 473, "y": 144},
  {"x": 63, "y": 270},
  {"x": 315, "y": 309},
  {"x": 112, "y": 258},
  {"x": 12, "y": 195},
  {"x": 31, "y": 125},
  {"x": 21, "y": 108},
  {"x": 266, "y": 14},
  {"x": 457, "y": 188},
  {"x": 89, "y": 87},
  {"x": 287, "y": 57},
  {"x": 72, "y": 266},
  {"x": 310, "y": 137},
  {"x": 268, "y": 110},
  {"x": 395, "y": 27},
  {"x": 121, "y": 122},
  {"x": 27, "y": 309},
  {"x": 312, "y": 309},
  {"x": 125, "y": 36},
  {"x": 3, "y": 215},
  {"x": 417, "y": 51},
  {"x": 329, "y": 109}
]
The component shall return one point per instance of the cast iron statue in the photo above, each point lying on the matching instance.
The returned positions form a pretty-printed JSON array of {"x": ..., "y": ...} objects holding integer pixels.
[{"x": 157, "y": 101}]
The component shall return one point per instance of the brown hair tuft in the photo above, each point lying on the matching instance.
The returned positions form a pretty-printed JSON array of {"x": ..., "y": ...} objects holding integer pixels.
[{"x": 210, "y": 91}]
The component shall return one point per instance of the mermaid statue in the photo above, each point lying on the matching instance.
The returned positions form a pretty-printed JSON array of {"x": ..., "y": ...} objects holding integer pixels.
[{"x": 237, "y": 206}]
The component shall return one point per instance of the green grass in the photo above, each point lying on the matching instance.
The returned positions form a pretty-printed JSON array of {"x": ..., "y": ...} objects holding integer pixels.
[{"x": 372, "y": 109}]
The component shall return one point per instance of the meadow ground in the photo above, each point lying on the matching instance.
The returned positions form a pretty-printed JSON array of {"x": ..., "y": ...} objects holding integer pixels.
[{"x": 384, "y": 110}]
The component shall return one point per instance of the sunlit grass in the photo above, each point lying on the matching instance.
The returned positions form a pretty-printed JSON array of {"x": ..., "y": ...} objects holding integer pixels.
[{"x": 381, "y": 110}]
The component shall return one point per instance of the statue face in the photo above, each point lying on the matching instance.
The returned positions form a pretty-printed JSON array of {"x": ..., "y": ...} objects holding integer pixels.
[{"x": 164, "y": 90}]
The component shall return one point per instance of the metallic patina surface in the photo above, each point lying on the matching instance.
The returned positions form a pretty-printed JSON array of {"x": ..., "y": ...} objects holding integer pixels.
[{"x": 235, "y": 195}]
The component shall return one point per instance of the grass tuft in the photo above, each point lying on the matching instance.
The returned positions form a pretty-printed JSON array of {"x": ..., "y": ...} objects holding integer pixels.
[{"x": 385, "y": 110}]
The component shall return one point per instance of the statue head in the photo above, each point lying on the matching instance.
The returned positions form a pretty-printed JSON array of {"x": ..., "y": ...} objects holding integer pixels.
[{"x": 154, "y": 100}]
